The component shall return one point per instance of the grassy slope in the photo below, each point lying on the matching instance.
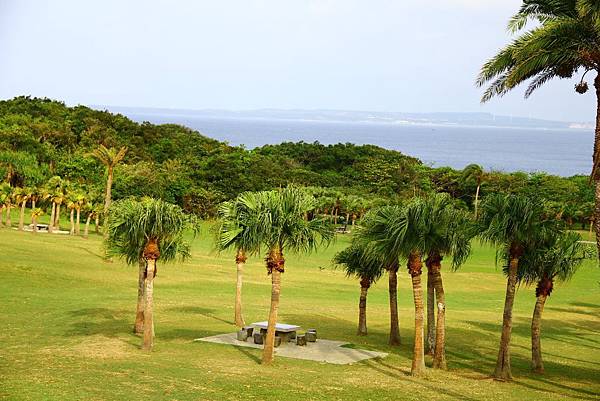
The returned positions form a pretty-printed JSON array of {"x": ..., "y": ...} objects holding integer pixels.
[{"x": 67, "y": 316}]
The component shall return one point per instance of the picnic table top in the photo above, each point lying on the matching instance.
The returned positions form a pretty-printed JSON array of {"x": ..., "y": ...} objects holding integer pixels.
[{"x": 285, "y": 328}]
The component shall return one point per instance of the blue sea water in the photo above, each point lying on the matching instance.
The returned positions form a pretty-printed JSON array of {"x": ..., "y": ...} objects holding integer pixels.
[{"x": 562, "y": 152}]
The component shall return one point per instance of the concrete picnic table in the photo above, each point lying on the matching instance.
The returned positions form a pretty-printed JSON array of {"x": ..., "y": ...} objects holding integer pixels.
[{"x": 285, "y": 331}]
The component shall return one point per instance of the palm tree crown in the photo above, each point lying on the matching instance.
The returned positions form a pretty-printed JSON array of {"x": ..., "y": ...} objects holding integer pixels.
[
  {"x": 557, "y": 258},
  {"x": 511, "y": 221},
  {"x": 133, "y": 224},
  {"x": 359, "y": 263},
  {"x": 565, "y": 40}
]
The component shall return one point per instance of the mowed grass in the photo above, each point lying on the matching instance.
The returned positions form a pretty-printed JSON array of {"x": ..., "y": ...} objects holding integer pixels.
[{"x": 66, "y": 318}]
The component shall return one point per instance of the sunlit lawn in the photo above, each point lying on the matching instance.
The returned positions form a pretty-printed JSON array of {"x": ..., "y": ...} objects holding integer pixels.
[{"x": 66, "y": 319}]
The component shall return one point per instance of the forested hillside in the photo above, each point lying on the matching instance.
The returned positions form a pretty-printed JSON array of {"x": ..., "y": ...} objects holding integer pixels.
[{"x": 42, "y": 138}]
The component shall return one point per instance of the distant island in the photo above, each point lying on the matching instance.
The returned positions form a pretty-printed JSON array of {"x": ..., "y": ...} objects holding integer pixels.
[{"x": 352, "y": 116}]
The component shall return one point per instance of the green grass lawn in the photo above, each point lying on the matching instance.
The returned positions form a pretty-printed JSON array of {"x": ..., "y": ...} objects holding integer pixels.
[{"x": 66, "y": 319}]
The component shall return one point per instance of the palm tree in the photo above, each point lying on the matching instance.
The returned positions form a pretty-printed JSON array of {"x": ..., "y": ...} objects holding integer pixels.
[
  {"x": 447, "y": 231},
  {"x": 5, "y": 201},
  {"x": 88, "y": 209},
  {"x": 60, "y": 196},
  {"x": 21, "y": 196},
  {"x": 110, "y": 157},
  {"x": 359, "y": 263},
  {"x": 235, "y": 231},
  {"x": 474, "y": 173},
  {"x": 556, "y": 259},
  {"x": 72, "y": 205},
  {"x": 374, "y": 236},
  {"x": 563, "y": 41},
  {"x": 35, "y": 214},
  {"x": 510, "y": 222},
  {"x": 80, "y": 201},
  {"x": 279, "y": 224},
  {"x": 54, "y": 188},
  {"x": 148, "y": 230}
]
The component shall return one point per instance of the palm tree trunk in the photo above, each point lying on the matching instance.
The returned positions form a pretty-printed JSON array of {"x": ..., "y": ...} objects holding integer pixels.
[
  {"x": 596, "y": 161},
  {"x": 537, "y": 364},
  {"x": 240, "y": 260},
  {"x": 138, "y": 327},
  {"x": 72, "y": 222},
  {"x": 107, "y": 197},
  {"x": 96, "y": 223},
  {"x": 439, "y": 357},
  {"x": 8, "y": 222},
  {"x": 52, "y": 214},
  {"x": 77, "y": 224},
  {"x": 32, "y": 209},
  {"x": 477, "y": 199},
  {"x": 393, "y": 294},
  {"x": 362, "y": 307},
  {"x": 34, "y": 223},
  {"x": 57, "y": 217},
  {"x": 1, "y": 216},
  {"x": 149, "y": 306},
  {"x": 22, "y": 216},
  {"x": 276, "y": 268},
  {"x": 503, "y": 371},
  {"x": 415, "y": 269},
  {"x": 86, "y": 230},
  {"x": 430, "y": 309}
]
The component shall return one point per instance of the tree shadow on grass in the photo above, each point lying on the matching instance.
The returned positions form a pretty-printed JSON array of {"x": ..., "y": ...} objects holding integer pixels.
[
  {"x": 249, "y": 353},
  {"x": 97, "y": 254},
  {"x": 545, "y": 386},
  {"x": 197, "y": 310},
  {"x": 395, "y": 372},
  {"x": 586, "y": 305},
  {"x": 573, "y": 310},
  {"x": 562, "y": 330},
  {"x": 104, "y": 321}
]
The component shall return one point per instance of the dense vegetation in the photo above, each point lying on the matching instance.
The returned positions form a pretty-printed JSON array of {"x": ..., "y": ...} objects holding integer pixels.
[{"x": 42, "y": 138}]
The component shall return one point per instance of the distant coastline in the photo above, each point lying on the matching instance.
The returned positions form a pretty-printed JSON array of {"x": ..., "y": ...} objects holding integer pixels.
[
  {"x": 482, "y": 120},
  {"x": 554, "y": 148}
]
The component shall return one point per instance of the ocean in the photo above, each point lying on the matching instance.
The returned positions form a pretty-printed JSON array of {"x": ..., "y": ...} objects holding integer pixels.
[{"x": 563, "y": 152}]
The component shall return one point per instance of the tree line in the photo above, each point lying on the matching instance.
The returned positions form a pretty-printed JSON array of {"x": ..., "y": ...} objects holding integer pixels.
[{"x": 42, "y": 138}]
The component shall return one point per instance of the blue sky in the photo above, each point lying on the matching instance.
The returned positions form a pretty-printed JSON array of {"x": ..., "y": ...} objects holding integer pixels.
[{"x": 408, "y": 55}]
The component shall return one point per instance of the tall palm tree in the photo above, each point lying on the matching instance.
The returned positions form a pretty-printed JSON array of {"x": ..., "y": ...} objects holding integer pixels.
[
  {"x": 556, "y": 259},
  {"x": 148, "y": 230},
  {"x": 80, "y": 201},
  {"x": 71, "y": 206},
  {"x": 236, "y": 231},
  {"x": 563, "y": 41},
  {"x": 21, "y": 196},
  {"x": 88, "y": 209},
  {"x": 359, "y": 263},
  {"x": 375, "y": 236},
  {"x": 5, "y": 202},
  {"x": 447, "y": 231},
  {"x": 35, "y": 215},
  {"x": 279, "y": 225},
  {"x": 511, "y": 223},
  {"x": 110, "y": 157},
  {"x": 53, "y": 189},
  {"x": 474, "y": 173}
]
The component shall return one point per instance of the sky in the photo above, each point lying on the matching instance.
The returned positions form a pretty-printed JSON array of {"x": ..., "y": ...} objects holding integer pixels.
[{"x": 396, "y": 55}]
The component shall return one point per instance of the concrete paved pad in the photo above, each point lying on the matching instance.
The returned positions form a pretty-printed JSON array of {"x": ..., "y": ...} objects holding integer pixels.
[{"x": 321, "y": 351}]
